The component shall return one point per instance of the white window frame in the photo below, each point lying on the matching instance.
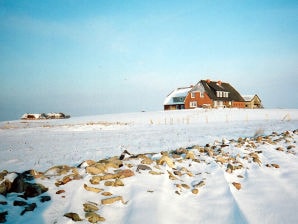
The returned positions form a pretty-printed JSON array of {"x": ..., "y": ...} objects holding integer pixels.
[
  {"x": 201, "y": 94},
  {"x": 193, "y": 104},
  {"x": 192, "y": 95}
]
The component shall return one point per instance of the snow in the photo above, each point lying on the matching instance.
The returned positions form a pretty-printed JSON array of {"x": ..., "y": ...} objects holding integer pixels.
[
  {"x": 267, "y": 194},
  {"x": 179, "y": 92}
]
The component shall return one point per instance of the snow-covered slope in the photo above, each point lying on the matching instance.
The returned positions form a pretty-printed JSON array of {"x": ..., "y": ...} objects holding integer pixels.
[{"x": 166, "y": 192}]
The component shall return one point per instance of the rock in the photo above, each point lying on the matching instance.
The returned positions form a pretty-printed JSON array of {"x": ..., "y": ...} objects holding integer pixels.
[
  {"x": 230, "y": 168},
  {"x": 90, "y": 207},
  {"x": 275, "y": 165},
  {"x": 5, "y": 187},
  {"x": 60, "y": 192},
  {"x": 220, "y": 159},
  {"x": 109, "y": 183},
  {"x": 19, "y": 203},
  {"x": 112, "y": 200},
  {"x": 57, "y": 170},
  {"x": 155, "y": 172},
  {"x": 29, "y": 208},
  {"x": 106, "y": 193},
  {"x": 45, "y": 198},
  {"x": 93, "y": 189},
  {"x": 118, "y": 183},
  {"x": 95, "y": 180},
  {"x": 143, "y": 167},
  {"x": 93, "y": 217},
  {"x": 3, "y": 202},
  {"x": 165, "y": 159},
  {"x": 195, "y": 191},
  {"x": 190, "y": 155},
  {"x": 73, "y": 216},
  {"x": 199, "y": 184},
  {"x": 171, "y": 176},
  {"x": 185, "y": 186},
  {"x": 86, "y": 163},
  {"x": 237, "y": 185},
  {"x": 3, "y": 216},
  {"x": 33, "y": 190},
  {"x": 93, "y": 170},
  {"x": 125, "y": 173}
]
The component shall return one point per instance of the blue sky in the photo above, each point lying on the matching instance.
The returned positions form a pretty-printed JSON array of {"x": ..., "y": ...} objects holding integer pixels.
[{"x": 95, "y": 57}]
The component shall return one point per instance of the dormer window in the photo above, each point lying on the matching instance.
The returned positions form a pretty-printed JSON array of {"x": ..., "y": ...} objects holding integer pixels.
[
  {"x": 222, "y": 94},
  {"x": 192, "y": 95}
]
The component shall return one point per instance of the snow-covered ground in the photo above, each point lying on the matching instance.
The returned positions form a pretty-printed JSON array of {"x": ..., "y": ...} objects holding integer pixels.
[{"x": 267, "y": 194}]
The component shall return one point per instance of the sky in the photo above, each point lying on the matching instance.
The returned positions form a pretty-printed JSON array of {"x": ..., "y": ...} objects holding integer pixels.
[{"x": 101, "y": 56}]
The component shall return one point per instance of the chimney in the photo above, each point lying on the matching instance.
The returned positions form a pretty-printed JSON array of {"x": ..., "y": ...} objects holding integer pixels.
[
  {"x": 219, "y": 82},
  {"x": 208, "y": 80}
]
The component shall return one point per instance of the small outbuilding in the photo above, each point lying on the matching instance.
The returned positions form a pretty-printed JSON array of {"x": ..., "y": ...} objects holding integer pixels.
[{"x": 252, "y": 101}]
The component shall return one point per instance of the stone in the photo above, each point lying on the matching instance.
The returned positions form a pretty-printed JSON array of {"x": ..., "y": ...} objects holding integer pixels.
[
  {"x": 93, "y": 217},
  {"x": 118, "y": 183},
  {"x": 86, "y": 163},
  {"x": 171, "y": 176},
  {"x": 143, "y": 167},
  {"x": 155, "y": 172},
  {"x": 109, "y": 183},
  {"x": 45, "y": 198},
  {"x": 90, "y": 207},
  {"x": 5, "y": 187},
  {"x": 106, "y": 193},
  {"x": 107, "y": 201},
  {"x": 147, "y": 161},
  {"x": 125, "y": 173},
  {"x": 93, "y": 189},
  {"x": 3, "y": 216},
  {"x": 73, "y": 216},
  {"x": 29, "y": 208},
  {"x": 60, "y": 191},
  {"x": 95, "y": 180},
  {"x": 200, "y": 184},
  {"x": 185, "y": 186},
  {"x": 220, "y": 159},
  {"x": 165, "y": 159},
  {"x": 19, "y": 203},
  {"x": 57, "y": 170},
  {"x": 275, "y": 165},
  {"x": 190, "y": 155},
  {"x": 195, "y": 191},
  {"x": 93, "y": 170},
  {"x": 237, "y": 185}
]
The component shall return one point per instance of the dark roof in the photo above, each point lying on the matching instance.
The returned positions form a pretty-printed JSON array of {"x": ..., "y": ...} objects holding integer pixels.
[{"x": 211, "y": 87}]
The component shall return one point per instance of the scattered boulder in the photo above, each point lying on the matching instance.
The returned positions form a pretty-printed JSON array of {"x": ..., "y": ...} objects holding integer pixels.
[
  {"x": 93, "y": 217},
  {"x": 143, "y": 167},
  {"x": 195, "y": 191},
  {"x": 93, "y": 189},
  {"x": 3, "y": 216},
  {"x": 237, "y": 185},
  {"x": 90, "y": 207},
  {"x": 112, "y": 200},
  {"x": 165, "y": 159},
  {"x": 73, "y": 216},
  {"x": 29, "y": 208}
]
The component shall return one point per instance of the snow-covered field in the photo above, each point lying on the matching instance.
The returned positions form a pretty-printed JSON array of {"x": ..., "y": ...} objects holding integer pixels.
[{"x": 195, "y": 188}]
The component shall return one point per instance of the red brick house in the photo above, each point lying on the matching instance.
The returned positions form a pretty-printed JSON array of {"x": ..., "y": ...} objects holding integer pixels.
[{"x": 205, "y": 94}]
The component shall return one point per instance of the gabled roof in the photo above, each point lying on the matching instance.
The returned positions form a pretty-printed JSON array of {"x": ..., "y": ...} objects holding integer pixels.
[
  {"x": 179, "y": 92},
  {"x": 248, "y": 98},
  {"x": 211, "y": 87}
]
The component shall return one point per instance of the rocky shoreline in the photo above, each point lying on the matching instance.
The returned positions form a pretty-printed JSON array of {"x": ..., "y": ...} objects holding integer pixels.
[{"x": 101, "y": 177}]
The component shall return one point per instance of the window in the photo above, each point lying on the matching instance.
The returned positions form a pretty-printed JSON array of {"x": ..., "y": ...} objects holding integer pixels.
[
  {"x": 178, "y": 99},
  {"x": 193, "y": 95},
  {"x": 201, "y": 94},
  {"x": 220, "y": 93},
  {"x": 193, "y": 104}
]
